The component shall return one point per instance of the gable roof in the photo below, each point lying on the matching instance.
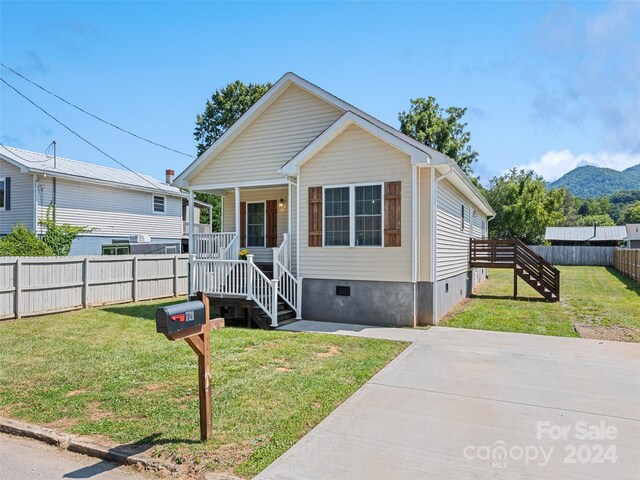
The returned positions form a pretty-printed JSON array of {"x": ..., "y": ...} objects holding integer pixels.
[
  {"x": 39, "y": 163},
  {"x": 585, "y": 234},
  {"x": 430, "y": 156}
]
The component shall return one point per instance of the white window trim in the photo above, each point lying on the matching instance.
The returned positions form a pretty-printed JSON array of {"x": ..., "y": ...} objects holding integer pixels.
[
  {"x": 4, "y": 193},
  {"x": 264, "y": 231},
  {"x": 153, "y": 204},
  {"x": 352, "y": 214}
]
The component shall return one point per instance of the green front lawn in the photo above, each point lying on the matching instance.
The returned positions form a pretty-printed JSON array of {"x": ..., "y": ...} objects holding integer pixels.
[
  {"x": 105, "y": 372},
  {"x": 596, "y": 302}
]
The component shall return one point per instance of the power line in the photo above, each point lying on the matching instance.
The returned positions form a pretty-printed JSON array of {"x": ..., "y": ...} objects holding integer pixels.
[
  {"x": 74, "y": 132},
  {"x": 96, "y": 116},
  {"x": 14, "y": 153}
]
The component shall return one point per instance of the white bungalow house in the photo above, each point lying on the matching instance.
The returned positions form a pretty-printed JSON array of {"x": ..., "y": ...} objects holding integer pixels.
[
  {"x": 128, "y": 212},
  {"x": 361, "y": 223}
]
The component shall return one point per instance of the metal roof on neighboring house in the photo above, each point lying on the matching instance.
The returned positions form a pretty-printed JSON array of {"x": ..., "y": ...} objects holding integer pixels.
[
  {"x": 633, "y": 231},
  {"x": 584, "y": 234},
  {"x": 34, "y": 162}
]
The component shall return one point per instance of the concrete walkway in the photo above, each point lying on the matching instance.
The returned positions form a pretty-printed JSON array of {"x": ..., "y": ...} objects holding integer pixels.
[
  {"x": 366, "y": 331},
  {"x": 468, "y": 404},
  {"x": 25, "y": 459}
]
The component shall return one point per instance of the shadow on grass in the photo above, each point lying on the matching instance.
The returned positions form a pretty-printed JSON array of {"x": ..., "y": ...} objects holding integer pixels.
[
  {"x": 129, "y": 449},
  {"x": 143, "y": 311},
  {"x": 508, "y": 297},
  {"x": 630, "y": 284}
]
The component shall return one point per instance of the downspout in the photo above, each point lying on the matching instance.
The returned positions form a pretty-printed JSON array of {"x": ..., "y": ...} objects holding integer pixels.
[
  {"x": 434, "y": 247},
  {"x": 191, "y": 244},
  {"x": 414, "y": 240}
]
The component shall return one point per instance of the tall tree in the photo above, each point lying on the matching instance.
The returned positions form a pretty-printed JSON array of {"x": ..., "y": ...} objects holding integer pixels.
[
  {"x": 427, "y": 122},
  {"x": 524, "y": 207},
  {"x": 222, "y": 110}
]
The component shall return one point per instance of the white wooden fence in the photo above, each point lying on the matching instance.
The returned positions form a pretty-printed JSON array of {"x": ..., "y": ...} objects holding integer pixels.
[
  {"x": 42, "y": 285},
  {"x": 627, "y": 262},
  {"x": 575, "y": 255}
]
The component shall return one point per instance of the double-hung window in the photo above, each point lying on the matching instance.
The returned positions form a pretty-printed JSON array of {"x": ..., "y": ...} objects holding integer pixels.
[
  {"x": 158, "y": 204},
  {"x": 353, "y": 216},
  {"x": 256, "y": 224}
]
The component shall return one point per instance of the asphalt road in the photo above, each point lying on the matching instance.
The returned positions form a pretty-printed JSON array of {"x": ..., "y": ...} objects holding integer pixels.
[{"x": 25, "y": 459}]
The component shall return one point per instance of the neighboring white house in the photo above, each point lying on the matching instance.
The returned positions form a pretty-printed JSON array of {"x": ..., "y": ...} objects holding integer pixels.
[
  {"x": 128, "y": 212},
  {"x": 633, "y": 235},
  {"x": 362, "y": 223}
]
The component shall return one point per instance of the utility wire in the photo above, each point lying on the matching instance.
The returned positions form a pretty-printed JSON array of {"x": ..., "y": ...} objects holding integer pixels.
[
  {"x": 14, "y": 153},
  {"x": 75, "y": 133},
  {"x": 96, "y": 116}
]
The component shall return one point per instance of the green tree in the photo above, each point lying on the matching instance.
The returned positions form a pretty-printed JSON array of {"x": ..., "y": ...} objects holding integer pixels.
[
  {"x": 22, "y": 242},
  {"x": 524, "y": 207},
  {"x": 60, "y": 237},
  {"x": 631, "y": 214},
  {"x": 222, "y": 110},
  {"x": 603, "y": 220},
  {"x": 440, "y": 129}
]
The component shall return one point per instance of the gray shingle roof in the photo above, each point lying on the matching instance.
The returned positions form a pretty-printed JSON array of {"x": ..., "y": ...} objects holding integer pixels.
[
  {"x": 40, "y": 163},
  {"x": 583, "y": 234}
]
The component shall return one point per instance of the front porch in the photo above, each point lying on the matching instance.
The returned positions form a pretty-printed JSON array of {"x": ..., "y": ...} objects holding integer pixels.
[{"x": 260, "y": 283}]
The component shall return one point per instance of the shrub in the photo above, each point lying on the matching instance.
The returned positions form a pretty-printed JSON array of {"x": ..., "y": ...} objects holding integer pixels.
[{"x": 22, "y": 242}]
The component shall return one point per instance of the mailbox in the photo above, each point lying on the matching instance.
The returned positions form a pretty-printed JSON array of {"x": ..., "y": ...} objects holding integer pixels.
[{"x": 179, "y": 317}]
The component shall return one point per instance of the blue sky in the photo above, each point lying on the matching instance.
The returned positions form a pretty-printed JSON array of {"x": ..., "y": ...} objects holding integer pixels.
[{"x": 548, "y": 85}]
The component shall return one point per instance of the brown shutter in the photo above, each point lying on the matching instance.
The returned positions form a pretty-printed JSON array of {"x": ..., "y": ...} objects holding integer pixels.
[
  {"x": 243, "y": 224},
  {"x": 392, "y": 214},
  {"x": 315, "y": 216},
  {"x": 272, "y": 223}
]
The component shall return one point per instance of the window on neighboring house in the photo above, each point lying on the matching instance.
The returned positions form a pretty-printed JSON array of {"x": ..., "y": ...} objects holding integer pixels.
[
  {"x": 353, "y": 216},
  {"x": 256, "y": 224},
  {"x": 462, "y": 218},
  {"x": 158, "y": 204},
  {"x": 336, "y": 217},
  {"x": 2, "y": 194}
]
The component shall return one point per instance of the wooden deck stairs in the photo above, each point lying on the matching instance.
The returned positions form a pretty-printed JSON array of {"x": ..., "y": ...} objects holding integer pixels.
[{"x": 514, "y": 254}]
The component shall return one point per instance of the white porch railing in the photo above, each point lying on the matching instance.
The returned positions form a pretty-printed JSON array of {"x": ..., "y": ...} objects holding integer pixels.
[
  {"x": 290, "y": 287},
  {"x": 236, "y": 277},
  {"x": 214, "y": 245}
]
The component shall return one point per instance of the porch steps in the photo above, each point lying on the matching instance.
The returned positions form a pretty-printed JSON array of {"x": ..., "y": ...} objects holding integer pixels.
[{"x": 262, "y": 319}]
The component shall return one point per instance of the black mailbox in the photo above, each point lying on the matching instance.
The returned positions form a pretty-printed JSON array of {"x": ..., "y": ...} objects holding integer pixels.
[{"x": 182, "y": 316}]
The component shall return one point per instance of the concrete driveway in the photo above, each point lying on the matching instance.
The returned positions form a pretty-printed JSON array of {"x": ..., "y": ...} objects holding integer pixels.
[{"x": 468, "y": 404}]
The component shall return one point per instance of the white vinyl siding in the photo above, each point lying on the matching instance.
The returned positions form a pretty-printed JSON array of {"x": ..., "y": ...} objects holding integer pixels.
[
  {"x": 110, "y": 211},
  {"x": 261, "y": 254},
  {"x": 357, "y": 157},
  {"x": 290, "y": 123},
  {"x": 452, "y": 242},
  {"x": 21, "y": 211}
]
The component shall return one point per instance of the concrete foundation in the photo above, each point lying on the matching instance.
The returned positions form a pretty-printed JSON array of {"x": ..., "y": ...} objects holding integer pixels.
[
  {"x": 451, "y": 291},
  {"x": 370, "y": 303}
]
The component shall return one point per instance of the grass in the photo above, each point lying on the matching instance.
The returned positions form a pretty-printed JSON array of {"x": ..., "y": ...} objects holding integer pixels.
[
  {"x": 105, "y": 372},
  {"x": 596, "y": 302}
]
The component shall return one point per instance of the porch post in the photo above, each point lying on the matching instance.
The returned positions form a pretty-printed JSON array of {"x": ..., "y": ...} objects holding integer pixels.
[
  {"x": 298, "y": 224},
  {"x": 289, "y": 221},
  {"x": 237, "y": 200},
  {"x": 192, "y": 248}
]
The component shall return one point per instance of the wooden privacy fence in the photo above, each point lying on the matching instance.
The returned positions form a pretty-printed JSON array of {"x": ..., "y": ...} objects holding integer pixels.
[
  {"x": 575, "y": 255},
  {"x": 627, "y": 262},
  {"x": 41, "y": 285}
]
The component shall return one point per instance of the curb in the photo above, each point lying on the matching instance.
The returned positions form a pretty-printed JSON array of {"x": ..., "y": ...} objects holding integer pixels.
[{"x": 84, "y": 445}]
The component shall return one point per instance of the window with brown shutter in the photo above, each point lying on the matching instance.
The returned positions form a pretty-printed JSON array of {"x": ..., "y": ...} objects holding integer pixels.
[
  {"x": 243, "y": 224},
  {"x": 272, "y": 223},
  {"x": 392, "y": 214},
  {"x": 315, "y": 216}
]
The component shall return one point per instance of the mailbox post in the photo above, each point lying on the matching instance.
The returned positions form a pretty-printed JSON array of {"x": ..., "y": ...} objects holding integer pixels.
[{"x": 190, "y": 321}]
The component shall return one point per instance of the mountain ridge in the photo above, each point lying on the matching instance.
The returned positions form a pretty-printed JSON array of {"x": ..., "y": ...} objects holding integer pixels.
[{"x": 590, "y": 181}]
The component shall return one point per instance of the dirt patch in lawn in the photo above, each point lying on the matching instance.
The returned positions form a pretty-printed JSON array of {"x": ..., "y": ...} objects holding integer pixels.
[
  {"x": 62, "y": 424},
  {"x": 612, "y": 332},
  {"x": 95, "y": 413},
  {"x": 333, "y": 350}
]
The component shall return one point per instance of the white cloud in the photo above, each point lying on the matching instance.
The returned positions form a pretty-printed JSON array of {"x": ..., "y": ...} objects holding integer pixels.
[{"x": 552, "y": 165}]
